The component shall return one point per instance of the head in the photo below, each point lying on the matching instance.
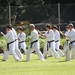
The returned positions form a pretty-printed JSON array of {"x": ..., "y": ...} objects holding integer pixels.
[
  {"x": 48, "y": 27},
  {"x": 55, "y": 28},
  {"x": 8, "y": 28},
  {"x": 71, "y": 26},
  {"x": 31, "y": 27},
  {"x": 67, "y": 28},
  {"x": 20, "y": 29}
]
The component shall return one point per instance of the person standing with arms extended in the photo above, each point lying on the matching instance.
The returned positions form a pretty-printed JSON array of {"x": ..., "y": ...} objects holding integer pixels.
[
  {"x": 71, "y": 37},
  {"x": 34, "y": 37},
  {"x": 50, "y": 44},
  {"x": 10, "y": 44},
  {"x": 66, "y": 44}
]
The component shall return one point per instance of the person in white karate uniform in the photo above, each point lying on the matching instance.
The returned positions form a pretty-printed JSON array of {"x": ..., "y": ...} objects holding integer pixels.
[
  {"x": 66, "y": 44},
  {"x": 34, "y": 37},
  {"x": 17, "y": 50},
  {"x": 10, "y": 44},
  {"x": 71, "y": 36},
  {"x": 50, "y": 44},
  {"x": 57, "y": 40},
  {"x": 21, "y": 38}
]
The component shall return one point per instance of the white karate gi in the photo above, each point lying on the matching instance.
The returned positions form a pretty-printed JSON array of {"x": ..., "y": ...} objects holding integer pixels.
[
  {"x": 9, "y": 38},
  {"x": 16, "y": 44},
  {"x": 57, "y": 42},
  {"x": 35, "y": 46},
  {"x": 21, "y": 38},
  {"x": 71, "y": 36},
  {"x": 66, "y": 47},
  {"x": 49, "y": 37}
]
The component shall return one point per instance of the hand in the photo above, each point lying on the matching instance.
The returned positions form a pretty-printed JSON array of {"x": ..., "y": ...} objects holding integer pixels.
[{"x": 2, "y": 33}]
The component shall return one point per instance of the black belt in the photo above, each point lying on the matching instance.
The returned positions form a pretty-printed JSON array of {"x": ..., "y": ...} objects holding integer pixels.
[
  {"x": 49, "y": 42},
  {"x": 8, "y": 44},
  {"x": 33, "y": 42},
  {"x": 16, "y": 39},
  {"x": 21, "y": 41},
  {"x": 19, "y": 44},
  {"x": 57, "y": 41},
  {"x": 70, "y": 44},
  {"x": 67, "y": 41}
]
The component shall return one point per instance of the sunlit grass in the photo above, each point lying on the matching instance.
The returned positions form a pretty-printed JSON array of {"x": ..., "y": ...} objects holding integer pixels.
[{"x": 51, "y": 66}]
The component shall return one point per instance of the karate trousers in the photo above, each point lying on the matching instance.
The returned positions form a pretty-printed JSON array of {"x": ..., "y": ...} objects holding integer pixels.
[
  {"x": 52, "y": 48},
  {"x": 67, "y": 51},
  {"x": 36, "y": 47},
  {"x": 17, "y": 50},
  {"x": 57, "y": 48},
  {"x": 11, "y": 50},
  {"x": 73, "y": 50},
  {"x": 23, "y": 46}
]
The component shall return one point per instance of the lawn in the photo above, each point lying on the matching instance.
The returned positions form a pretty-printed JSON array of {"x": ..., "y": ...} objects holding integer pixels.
[{"x": 51, "y": 66}]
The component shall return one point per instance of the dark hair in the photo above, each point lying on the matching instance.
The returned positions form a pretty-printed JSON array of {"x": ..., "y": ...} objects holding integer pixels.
[
  {"x": 55, "y": 27},
  {"x": 48, "y": 26},
  {"x": 9, "y": 26},
  {"x": 20, "y": 28}
]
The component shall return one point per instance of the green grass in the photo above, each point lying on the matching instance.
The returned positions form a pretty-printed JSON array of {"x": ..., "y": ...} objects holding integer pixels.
[{"x": 51, "y": 66}]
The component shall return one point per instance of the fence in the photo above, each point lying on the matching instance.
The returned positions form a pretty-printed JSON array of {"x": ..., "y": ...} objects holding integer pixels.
[{"x": 37, "y": 14}]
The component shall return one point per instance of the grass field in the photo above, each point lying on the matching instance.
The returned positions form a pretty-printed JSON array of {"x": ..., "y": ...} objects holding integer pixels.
[{"x": 51, "y": 66}]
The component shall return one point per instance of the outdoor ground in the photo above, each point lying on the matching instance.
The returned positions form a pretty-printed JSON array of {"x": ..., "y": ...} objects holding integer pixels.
[{"x": 51, "y": 66}]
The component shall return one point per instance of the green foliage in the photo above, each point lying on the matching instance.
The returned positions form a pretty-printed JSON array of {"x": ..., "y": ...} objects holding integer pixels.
[
  {"x": 2, "y": 42},
  {"x": 62, "y": 40},
  {"x": 42, "y": 42},
  {"x": 27, "y": 31}
]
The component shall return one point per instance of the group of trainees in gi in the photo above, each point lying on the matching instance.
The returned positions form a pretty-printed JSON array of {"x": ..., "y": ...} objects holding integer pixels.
[
  {"x": 16, "y": 42},
  {"x": 69, "y": 46}
]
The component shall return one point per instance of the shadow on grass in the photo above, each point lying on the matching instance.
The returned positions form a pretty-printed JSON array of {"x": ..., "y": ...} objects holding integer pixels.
[{"x": 59, "y": 61}]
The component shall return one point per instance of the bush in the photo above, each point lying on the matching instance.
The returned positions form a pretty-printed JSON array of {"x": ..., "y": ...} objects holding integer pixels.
[
  {"x": 41, "y": 40},
  {"x": 2, "y": 44}
]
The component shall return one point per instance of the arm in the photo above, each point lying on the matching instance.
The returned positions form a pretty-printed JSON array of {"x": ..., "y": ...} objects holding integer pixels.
[
  {"x": 2, "y": 33},
  {"x": 63, "y": 34},
  {"x": 41, "y": 34}
]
